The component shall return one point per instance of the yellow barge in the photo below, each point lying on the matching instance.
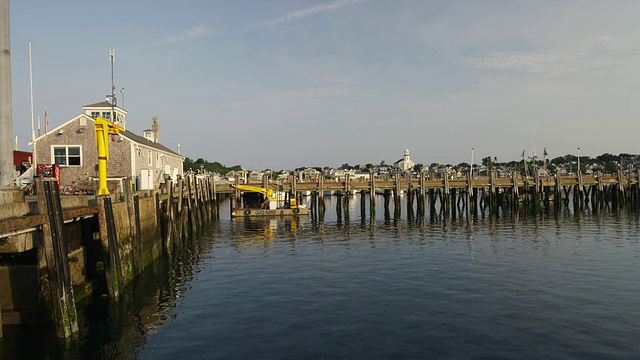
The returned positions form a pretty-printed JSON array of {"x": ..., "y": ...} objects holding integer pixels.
[{"x": 269, "y": 205}]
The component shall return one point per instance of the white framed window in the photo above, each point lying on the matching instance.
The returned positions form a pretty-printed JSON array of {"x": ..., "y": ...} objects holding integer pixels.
[
  {"x": 67, "y": 155},
  {"x": 149, "y": 158},
  {"x": 158, "y": 160},
  {"x": 83, "y": 121},
  {"x": 95, "y": 114},
  {"x": 106, "y": 115}
]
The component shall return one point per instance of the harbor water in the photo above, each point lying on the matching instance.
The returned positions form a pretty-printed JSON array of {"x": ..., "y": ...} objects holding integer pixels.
[{"x": 543, "y": 285}]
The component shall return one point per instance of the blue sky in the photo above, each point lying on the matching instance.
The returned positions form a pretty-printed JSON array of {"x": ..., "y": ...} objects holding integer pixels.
[{"x": 284, "y": 84}]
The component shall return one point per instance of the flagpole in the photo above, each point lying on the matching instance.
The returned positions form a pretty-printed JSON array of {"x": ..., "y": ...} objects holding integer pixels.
[{"x": 33, "y": 132}]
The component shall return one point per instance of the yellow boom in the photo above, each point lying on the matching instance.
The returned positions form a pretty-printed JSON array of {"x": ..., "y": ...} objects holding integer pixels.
[
  {"x": 104, "y": 128},
  {"x": 268, "y": 193}
]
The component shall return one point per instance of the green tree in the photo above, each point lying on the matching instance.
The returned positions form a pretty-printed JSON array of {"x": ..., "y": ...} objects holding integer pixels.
[
  {"x": 462, "y": 166},
  {"x": 486, "y": 161}
]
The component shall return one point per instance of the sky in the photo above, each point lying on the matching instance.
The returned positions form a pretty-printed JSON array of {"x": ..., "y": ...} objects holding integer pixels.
[{"x": 283, "y": 84}]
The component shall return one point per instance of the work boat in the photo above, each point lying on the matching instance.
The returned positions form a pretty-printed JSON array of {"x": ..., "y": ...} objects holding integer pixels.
[{"x": 269, "y": 204}]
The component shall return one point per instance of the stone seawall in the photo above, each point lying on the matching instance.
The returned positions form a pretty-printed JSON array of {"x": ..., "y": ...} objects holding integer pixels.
[{"x": 59, "y": 250}]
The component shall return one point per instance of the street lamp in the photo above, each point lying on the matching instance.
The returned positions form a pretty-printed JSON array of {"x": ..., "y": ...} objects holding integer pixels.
[
  {"x": 578, "y": 159},
  {"x": 472, "y": 150}
]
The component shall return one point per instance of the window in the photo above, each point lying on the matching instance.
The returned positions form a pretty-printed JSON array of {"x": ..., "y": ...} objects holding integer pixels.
[
  {"x": 149, "y": 159},
  {"x": 67, "y": 155},
  {"x": 95, "y": 114},
  {"x": 83, "y": 121},
  {"x": 106, "y": 115},
  {"x": 158, "y": 160}
]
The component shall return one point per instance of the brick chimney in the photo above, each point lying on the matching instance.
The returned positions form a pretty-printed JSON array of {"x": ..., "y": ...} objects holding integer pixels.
[{"x": 155, "y": 128}]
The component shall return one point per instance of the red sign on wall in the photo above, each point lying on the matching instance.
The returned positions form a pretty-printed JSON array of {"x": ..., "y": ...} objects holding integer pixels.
[{"x": 53, "y": 171}]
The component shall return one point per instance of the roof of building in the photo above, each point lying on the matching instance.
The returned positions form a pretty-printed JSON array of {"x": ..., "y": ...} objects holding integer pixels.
[
  {"x": 144, "y": 141},
  {"x": 99, "y": 104}
]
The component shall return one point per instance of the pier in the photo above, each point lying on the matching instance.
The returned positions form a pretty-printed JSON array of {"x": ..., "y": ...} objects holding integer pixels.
[
  {"x": 57, "y": 250},
  {"x": 467, "y": 193}
]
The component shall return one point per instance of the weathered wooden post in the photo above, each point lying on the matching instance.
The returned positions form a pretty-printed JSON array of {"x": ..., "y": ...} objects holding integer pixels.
[
  {"x": 321, "y": 207},
  {"x": 294, "y": 186},
  {"x": 170, "y": 225},
  {"x": 421, "y": 196},
  {"x": 372, "y": 194},
  {"x": 446, "y": 204},
  {"x": 621, "y": 192},
  {"x": 347, "y": 197},
  {"x": 214, "y": 198},
  {"x": 133, "y": 230},
  {"x": 192, "y": 216},
  {"x": 493, "y": 193},
  {"x": 339, "y": 206},
  {"x": 515, "y": 189},
  {"x": 54, "y": 251},
  {"x": 181, "y": 214},
  {"x": 409, "y": 192},
  {"x": 136, "y": 212}
]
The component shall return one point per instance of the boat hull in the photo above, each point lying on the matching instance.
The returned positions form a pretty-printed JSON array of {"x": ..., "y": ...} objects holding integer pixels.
[{"x": 244, "y": 212}]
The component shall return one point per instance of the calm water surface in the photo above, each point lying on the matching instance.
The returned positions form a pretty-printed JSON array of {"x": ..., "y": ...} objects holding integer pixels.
[{"x": 557, "y": 286}]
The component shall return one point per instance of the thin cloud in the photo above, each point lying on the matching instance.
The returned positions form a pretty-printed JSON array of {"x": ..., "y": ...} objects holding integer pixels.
[
  {"x": 591, "y": 54},
  {"x": 303, "y": 13},
  {"x": 194, "y": 32}
]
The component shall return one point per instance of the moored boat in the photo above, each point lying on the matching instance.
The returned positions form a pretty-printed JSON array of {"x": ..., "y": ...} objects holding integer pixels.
[{"x": 270, "y": 204}]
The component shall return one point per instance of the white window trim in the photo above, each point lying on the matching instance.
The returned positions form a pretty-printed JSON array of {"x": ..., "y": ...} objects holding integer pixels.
[
  {"x": 53, "y": 155},
  {"x": 149, "y": 158}
]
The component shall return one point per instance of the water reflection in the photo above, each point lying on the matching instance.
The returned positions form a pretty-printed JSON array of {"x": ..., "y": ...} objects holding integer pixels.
[{"x": 543, "y": 239}]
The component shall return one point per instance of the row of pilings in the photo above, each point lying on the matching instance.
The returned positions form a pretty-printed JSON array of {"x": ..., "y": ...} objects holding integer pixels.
[
  {"x": 452, "y": 202},
  {"x": 95, "y": 245}
]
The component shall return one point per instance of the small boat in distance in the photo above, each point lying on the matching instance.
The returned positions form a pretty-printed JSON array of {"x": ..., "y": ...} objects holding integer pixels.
[{"x": 269, "y": 203}]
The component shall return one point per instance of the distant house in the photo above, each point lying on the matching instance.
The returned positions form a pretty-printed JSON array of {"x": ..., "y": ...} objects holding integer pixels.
[
  {"x": 72, "y": 145},
  {"x": 341, "y": 173},
  {"x": 307, "y": 174},
  {"x": 255, "y": 176},
  {"x": 283, "y": 175},
  {"x": 404, "y": 164}
]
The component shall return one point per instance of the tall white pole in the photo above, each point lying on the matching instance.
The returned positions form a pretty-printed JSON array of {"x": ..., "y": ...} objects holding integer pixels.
[
  {"x": 112, "y": 55},
  {"x": 578, "y": 159},
  {"x": 472, "y": 150},
  {"x": 7, "y": 168},
  {"x": 33, "y": 130}
]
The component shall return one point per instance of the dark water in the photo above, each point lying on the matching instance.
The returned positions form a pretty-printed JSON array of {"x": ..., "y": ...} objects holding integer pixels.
[{"x": 553, "y": 285}]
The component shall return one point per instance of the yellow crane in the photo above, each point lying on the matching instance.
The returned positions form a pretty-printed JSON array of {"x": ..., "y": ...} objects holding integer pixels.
[
  {"x": 269, "y": 206},
  {"x": 103, "y": 129},
  {"x": 268, "y": 193}
]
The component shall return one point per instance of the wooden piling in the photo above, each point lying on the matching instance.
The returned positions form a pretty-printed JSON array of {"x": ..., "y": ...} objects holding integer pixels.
[
  {"x": 53, "y": 246},
  {"x": 372, "y": 195},
  {"x": 171, "y": 228}
]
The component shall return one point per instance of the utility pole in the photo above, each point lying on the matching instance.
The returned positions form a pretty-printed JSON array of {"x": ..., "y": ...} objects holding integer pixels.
[{"x": 6, "y": 125}]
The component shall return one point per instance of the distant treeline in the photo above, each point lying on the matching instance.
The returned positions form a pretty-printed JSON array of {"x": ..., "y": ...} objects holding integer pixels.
[
  {"x": 214, "y": 167},
  {"x": 606, "y": 162}
]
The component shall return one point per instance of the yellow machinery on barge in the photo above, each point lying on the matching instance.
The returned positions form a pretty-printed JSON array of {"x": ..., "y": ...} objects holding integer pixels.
[{"x": 270, "y": 206}]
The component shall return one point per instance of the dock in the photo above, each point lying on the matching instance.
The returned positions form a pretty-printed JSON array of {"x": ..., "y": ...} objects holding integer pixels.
[{"x": 468, "y": 193}]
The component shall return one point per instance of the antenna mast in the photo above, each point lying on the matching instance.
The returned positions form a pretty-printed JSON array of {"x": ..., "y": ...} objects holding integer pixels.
[
  {"x": 33, "y": 131},
  {"x": 112, "y": 55}
]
